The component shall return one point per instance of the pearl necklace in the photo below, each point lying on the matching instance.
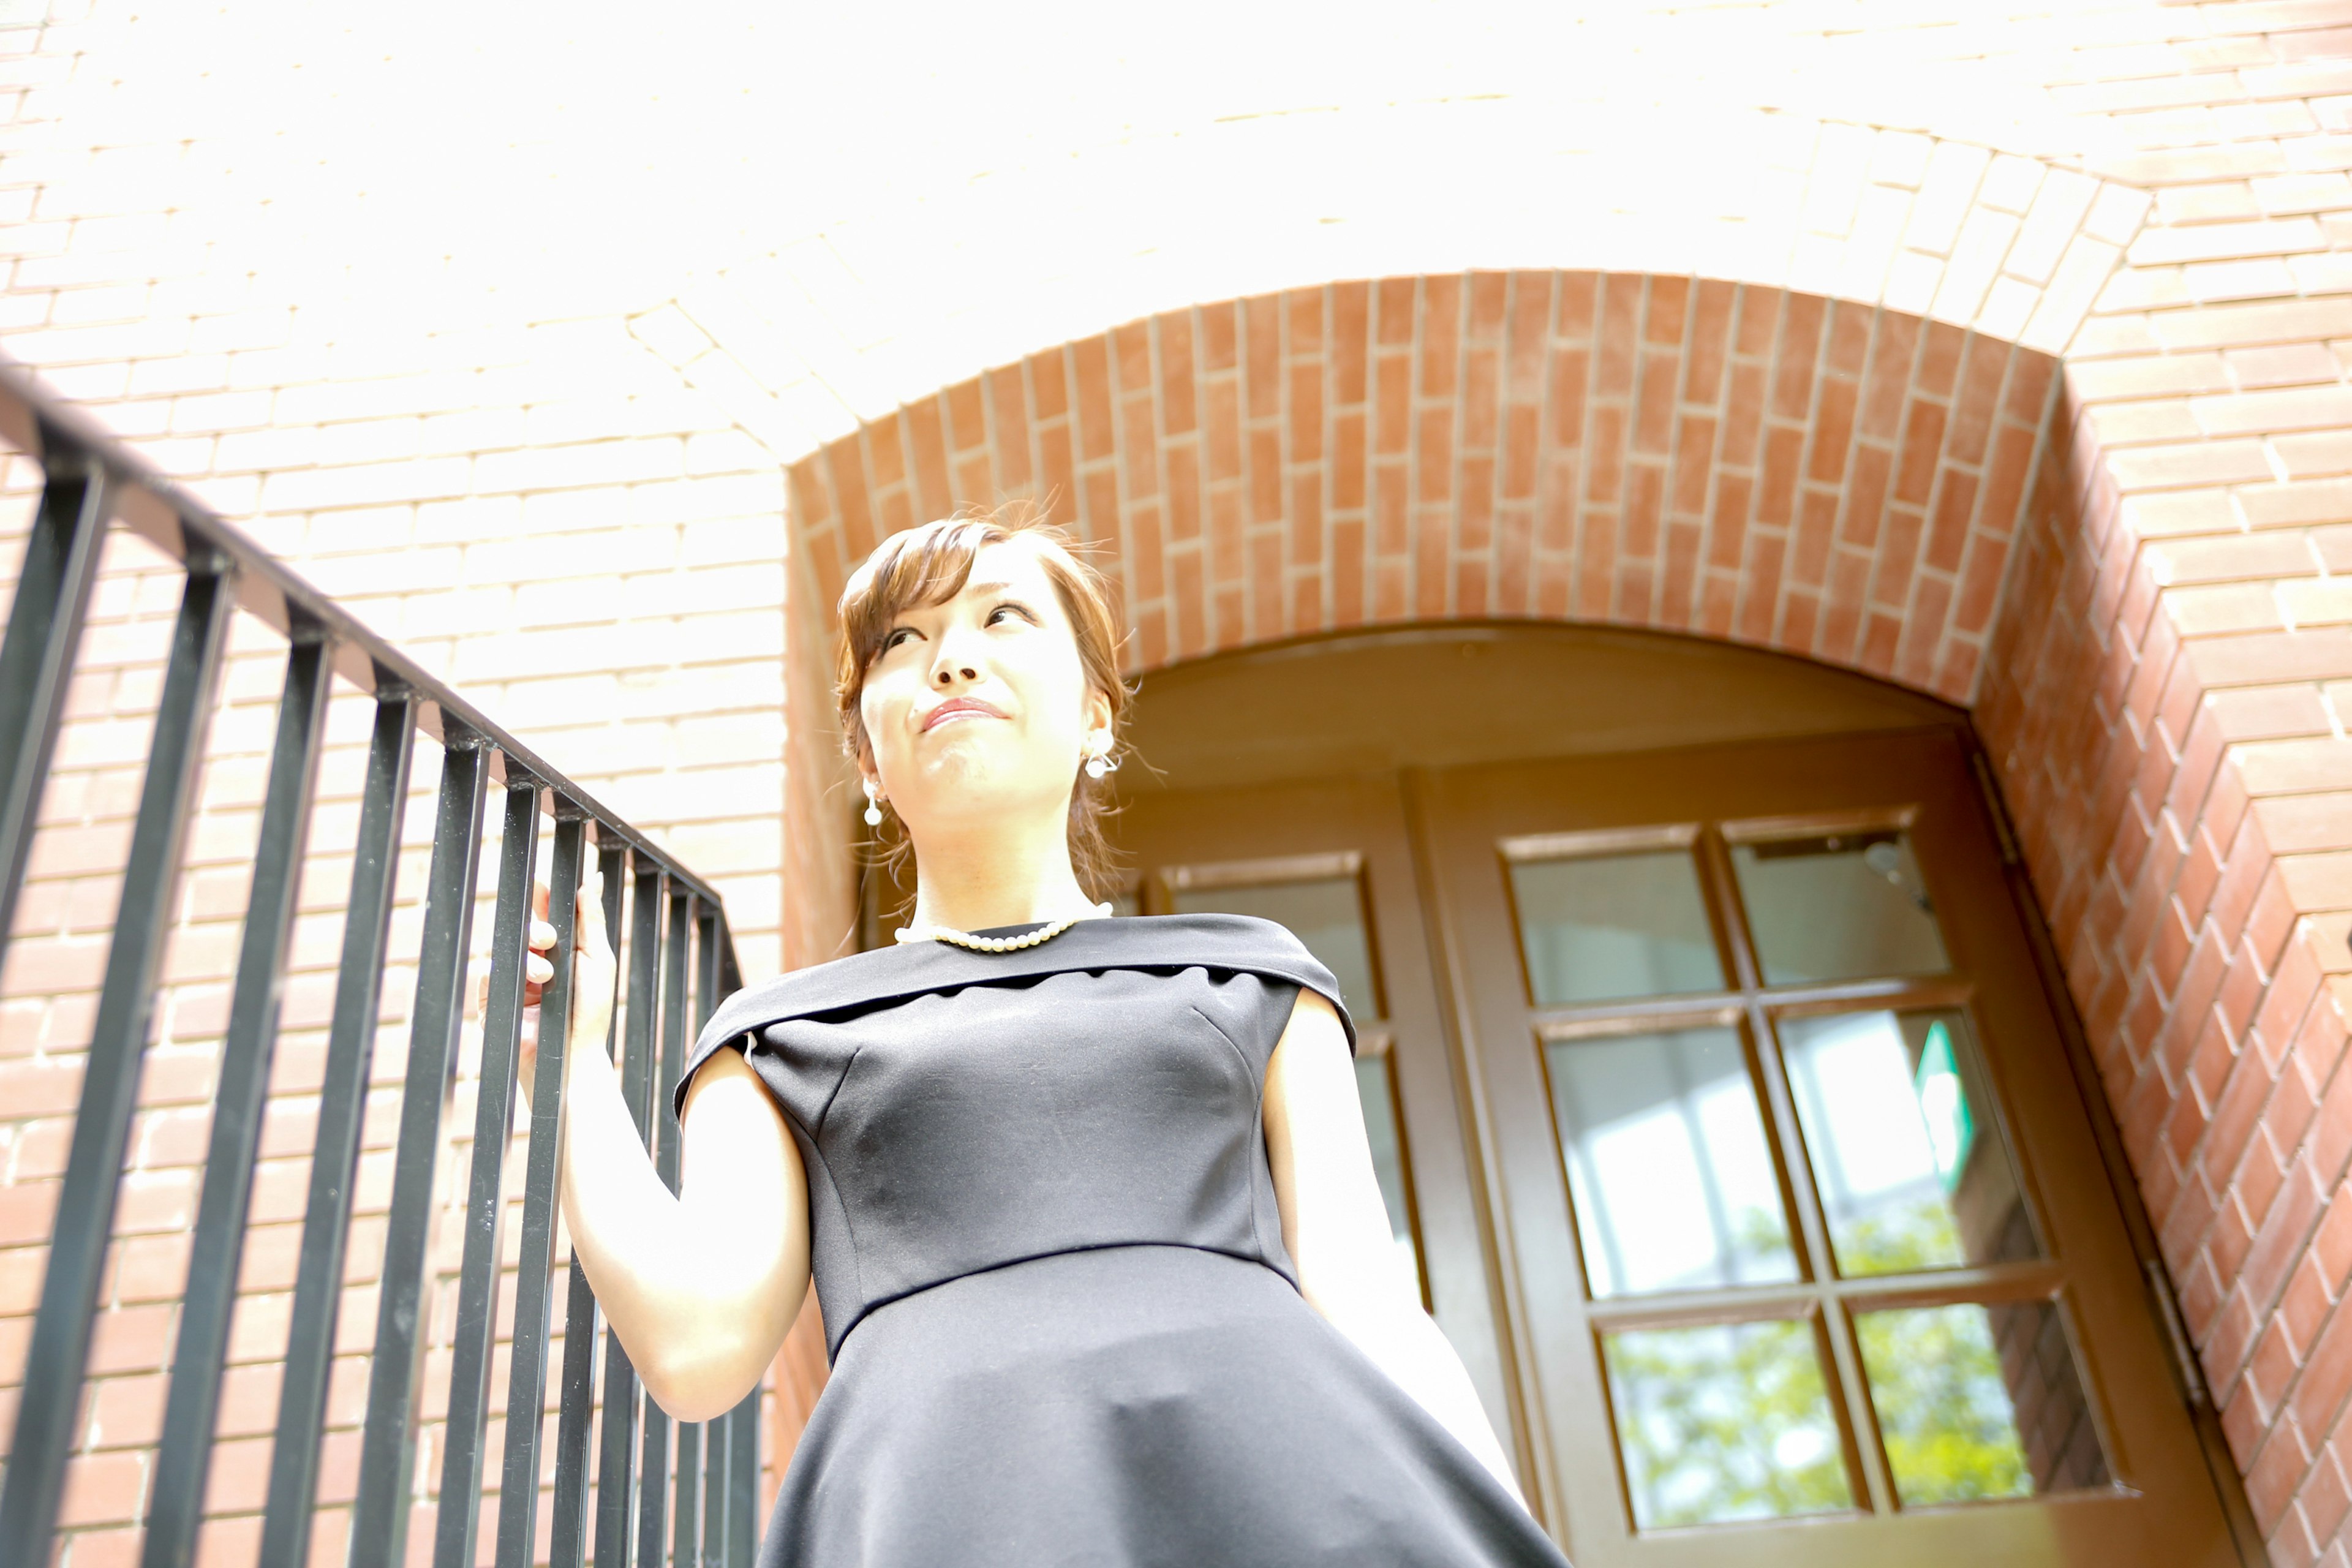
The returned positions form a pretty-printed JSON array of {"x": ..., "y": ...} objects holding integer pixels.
[{"x": 1044, "y": 933}]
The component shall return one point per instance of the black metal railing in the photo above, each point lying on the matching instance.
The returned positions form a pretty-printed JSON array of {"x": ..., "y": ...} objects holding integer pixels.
[{"x": 659, "y": 1492}]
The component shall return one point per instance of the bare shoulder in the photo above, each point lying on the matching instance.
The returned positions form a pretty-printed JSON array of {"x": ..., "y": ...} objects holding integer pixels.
[
  {"x": 735, "y": 1134},
  {"x": 1314, "y": 1015},
  {"x": 1310, "y": 1073}
]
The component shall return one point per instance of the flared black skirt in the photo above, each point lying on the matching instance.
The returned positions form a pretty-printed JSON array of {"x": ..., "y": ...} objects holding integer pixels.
[{"x": 1129, "y": 1406}]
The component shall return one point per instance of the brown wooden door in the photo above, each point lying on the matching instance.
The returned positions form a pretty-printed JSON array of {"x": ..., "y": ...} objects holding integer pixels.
[{"x": 1816, "y": 1260}]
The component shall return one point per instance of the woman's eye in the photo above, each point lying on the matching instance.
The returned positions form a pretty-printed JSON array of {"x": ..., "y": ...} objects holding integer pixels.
[
  {"x": 897, "y": 637},
  {"x": 1002, "y": 611}
]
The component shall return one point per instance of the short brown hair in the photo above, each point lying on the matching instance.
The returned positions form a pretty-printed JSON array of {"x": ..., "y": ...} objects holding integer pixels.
[{"x": 928, "y": 565}]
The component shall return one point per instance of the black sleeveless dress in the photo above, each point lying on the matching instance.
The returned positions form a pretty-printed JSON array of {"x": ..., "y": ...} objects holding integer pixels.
[{"x": 1063, "y": 1324}]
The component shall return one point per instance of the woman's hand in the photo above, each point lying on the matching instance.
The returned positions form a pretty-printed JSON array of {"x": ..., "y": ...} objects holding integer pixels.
[
  {"x": 592, "y": 967},
  {"x": 593, "y": 973},
  {"x": 701, "y": 1284}
]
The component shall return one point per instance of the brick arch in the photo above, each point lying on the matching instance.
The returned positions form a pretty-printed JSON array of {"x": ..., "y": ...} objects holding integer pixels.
[
  {"x": 1820, "y": 477},
  {"x": 1905, "y": 493}
]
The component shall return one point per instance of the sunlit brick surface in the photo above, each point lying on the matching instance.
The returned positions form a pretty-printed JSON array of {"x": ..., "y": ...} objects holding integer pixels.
[
  {"x": 507, "y": 330},
  {"x": 1732, "y": 462}
]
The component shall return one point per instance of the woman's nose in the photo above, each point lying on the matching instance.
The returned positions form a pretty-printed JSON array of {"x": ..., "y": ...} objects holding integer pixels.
[{"x": 953, "y": 663}]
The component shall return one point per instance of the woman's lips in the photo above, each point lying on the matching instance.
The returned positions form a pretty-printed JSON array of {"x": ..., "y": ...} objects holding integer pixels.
[{"x": 960, "y": 708}]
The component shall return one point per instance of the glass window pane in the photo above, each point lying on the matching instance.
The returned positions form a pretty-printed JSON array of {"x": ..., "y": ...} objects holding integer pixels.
[
  {"x": 1378, "y": 1096},
  {"x": 1896, "y": 1114},
  {"x": 1837, "y": 906},
  {"x": 1730, "y": 1421},
  {"x": 1603, "y": 926},
  {"x": 1978, "y": 1402},
  {"x": 1667, "y": 1162},
  {"x": 1326, "y": 914}
]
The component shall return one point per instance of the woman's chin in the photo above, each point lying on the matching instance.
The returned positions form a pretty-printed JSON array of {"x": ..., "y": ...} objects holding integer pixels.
[
  {"x": 963, "y": 763},
  {"x": 965, "y": 791}
]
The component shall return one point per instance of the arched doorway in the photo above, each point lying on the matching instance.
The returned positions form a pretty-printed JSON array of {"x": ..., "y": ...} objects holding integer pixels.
[
  {"x": 1719, "y": 1099},
  {"x": 1880, "y": 493}
]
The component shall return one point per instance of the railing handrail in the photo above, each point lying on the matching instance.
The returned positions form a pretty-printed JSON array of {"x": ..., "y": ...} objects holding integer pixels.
[
  {"x": 92, "y": 482},
  {"x": 159, "y": 511}
]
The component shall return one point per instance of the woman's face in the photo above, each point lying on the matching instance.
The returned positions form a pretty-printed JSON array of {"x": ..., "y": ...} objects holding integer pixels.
[{"x": 980, "y": 708}]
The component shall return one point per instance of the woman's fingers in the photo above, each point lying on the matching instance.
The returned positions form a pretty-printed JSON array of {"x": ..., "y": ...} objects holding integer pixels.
[
  {"x": 539, "y": 937},
  {"x": 590, "y": 919},
  {"x": 592, "y": 969},
  {"x": 539, "y": 962}
]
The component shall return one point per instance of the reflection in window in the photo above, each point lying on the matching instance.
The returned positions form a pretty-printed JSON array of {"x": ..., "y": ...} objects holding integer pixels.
[
  {"x": 1667, "y": 1164},
  {"x": 1729, "y": 1421},
  {"x": 1912, "y": 1172},
  {"x": 1837, "y": 906},
  {"x": 1604, "y": 926},
  {"x": 1978, "y": 1402},
  {"x": 1326, "y": 913},
  {"x": 1377, "y": 1093}
]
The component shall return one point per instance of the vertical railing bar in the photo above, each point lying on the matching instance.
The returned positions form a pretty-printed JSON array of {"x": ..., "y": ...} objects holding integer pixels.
[
  {"x": 576, "y": 1394},
  {"x": 717, "y": 1438},
  {"x": 616, "y": 1487},
  {"x": 729, "y": 978},
  {"x": 743, "y": 1440},
  {"x": 686, "y": 1548},
  {"x": 183, "y": 1454},
  {"x": 710, "y": 934},
  {"x": 742, "y": 1443},
  {"x": 575, "y": 1413},
  {"x": 653, "y": 1507},
  {"x": 396, "y": 1375},
  {"x": 36, "y": 653},
  {"x": 688, "y": 1503},
  {"x": 535, "y": 1275},
  {"x": 335, "y": 1147},
  {"x": 685, "y": 1504},
  {"x": 744, "y": 1483},
  {"x": 477, "y": 1281},
  {"x": 50, "y": 1399}
]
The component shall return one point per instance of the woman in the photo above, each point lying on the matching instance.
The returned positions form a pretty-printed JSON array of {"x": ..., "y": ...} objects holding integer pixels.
[{"x": 1104, "y": 1269}]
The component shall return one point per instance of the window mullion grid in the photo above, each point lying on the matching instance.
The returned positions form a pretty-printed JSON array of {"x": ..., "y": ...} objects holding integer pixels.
[{"x": 1832, "y": 1326}]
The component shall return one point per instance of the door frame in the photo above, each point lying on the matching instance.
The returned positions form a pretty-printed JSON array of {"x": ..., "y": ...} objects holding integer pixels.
[{"x": 1462, "y": 815}]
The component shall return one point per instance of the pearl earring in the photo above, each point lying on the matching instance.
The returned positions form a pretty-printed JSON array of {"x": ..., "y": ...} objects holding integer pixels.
[
  {"x": 873, "y": 808},
  {"x": 1099, "y": 763}
]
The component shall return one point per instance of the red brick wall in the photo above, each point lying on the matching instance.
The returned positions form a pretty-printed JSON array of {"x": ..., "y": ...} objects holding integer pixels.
[
  {"x": 532, "y": 493},
  {"x": 1820, "y": 477},
  {"x": 2163, "y": 700}
]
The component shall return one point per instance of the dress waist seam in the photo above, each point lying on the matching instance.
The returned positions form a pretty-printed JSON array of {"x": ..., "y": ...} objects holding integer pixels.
[{"x": 876, "y": 1305}]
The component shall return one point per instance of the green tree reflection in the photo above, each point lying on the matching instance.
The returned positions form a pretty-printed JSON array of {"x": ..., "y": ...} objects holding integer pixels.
[
  {"x": 1899, "y": 1240},
  {"x": 1732, "y": 1421},
  {"x": 1944, "y": 1409},
  {"x": 1725, "y": 1422}
]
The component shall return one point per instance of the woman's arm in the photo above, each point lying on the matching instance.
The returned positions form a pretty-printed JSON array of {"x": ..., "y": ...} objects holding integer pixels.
[
  {"x": 1337, "y": 1227},
  {"x": 701, "y": 1285}
]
